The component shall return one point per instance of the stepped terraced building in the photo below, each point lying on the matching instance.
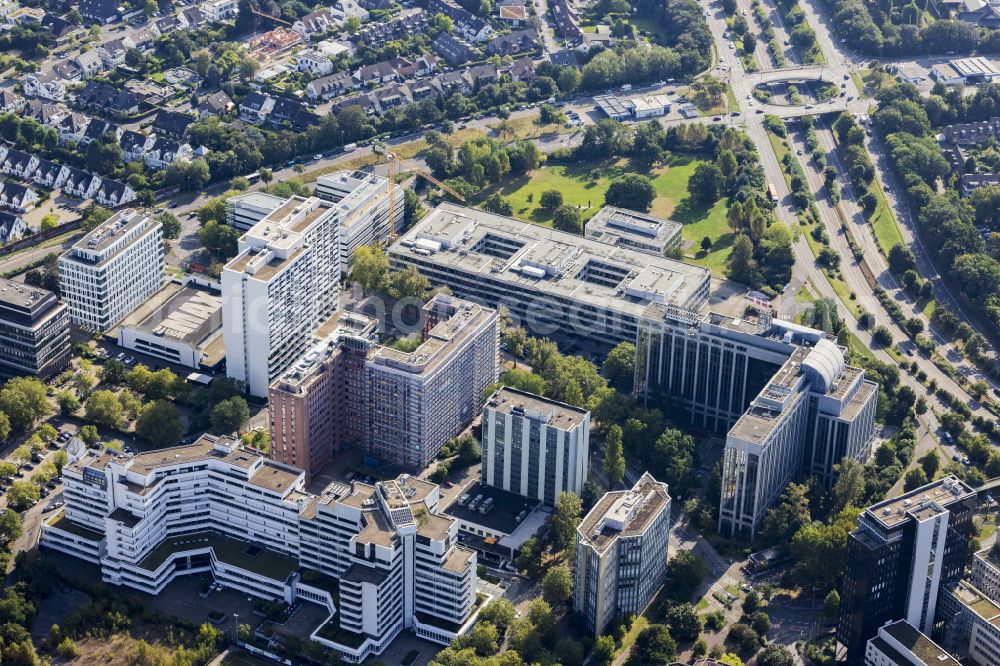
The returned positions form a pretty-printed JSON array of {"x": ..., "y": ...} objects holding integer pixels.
[{"x": 379, "y": 558}]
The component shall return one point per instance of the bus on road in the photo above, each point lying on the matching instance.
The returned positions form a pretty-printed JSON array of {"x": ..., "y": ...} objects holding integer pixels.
[{"x": 772, "y": 192}]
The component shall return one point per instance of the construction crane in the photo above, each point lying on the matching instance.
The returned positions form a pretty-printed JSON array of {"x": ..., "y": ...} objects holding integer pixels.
[
  {"x": 256, "y": 11},
  {"x": 393, "y": 161}
]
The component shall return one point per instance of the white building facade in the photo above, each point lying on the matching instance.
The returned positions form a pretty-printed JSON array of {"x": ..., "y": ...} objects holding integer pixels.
[
  {"x": 533, "y": 446},
  {"x": 214, "y": 507},
  {"x": 283, "y": 282},
  {"x": 109, "y": 272}
]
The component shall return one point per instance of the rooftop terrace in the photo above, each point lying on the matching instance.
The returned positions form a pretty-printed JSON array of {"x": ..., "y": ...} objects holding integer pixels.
[{"x": 234, "y": 552}]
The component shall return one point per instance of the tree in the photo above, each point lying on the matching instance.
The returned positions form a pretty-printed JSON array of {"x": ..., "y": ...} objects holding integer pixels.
[
  {"x": 631, "y": 190},
  {"x": 442, "y": 23},
  {"x": 653, "y": 647},
  {"x": 760, "y": 622},
  {"x": 266, "y": 176},
  {"x": 604, "y": 650},
  {"x": 788, "y": 516},
  {"x": 159, "y": 424},
  {"x": 551, "y": 199},
  {"x": 915, "y": 478},
  {"x": 370, "y": 267},
  {"x": 113, "y": 372},
  {"x": 7, "y": 471},
  {"x": 850, "y": 486},
  {"x": 775, "y": 654},
  {"x": 4, "y": 427},
  {"x": 565, "y": 519},
  {"x": 831, "y": 605},
  {"x": 89, "y": 435},
  {"x": 104, "y": 408},
  {"x": 413, "y": 210},
  {"x": 483, "y": 638},
  {"x": 568, "y": 218},
  {"x": 10, "y": 527},
  {"x": 930, "y": 464},
  {"x": 743, "y": 636},
  {"x": 901, "y": 259},
  {"x": 408, "y": 283},
  {"x": 171, "y": 225},
  {"x": 23, "y": 400},
  {"x": 569, "y": 652},
  {"x": 882, "y": 336},
  {"x": 557, "y": 586},
  {"x": 614, "y": 458},
  {"x": 22, "y": 495},
  {"x": 684, "y": 621},
  {"x": 705, "y": 183},
  {"x": 619, "y": 366},
  {"x": 352, "y": 24},
  {"x": 499, "y": 612},
  {"x": 741, "y": 265},
  {"x": 684, "y": 574},
  {"x": 230, "y": 415},
  {"x": 496, "y": 203}
]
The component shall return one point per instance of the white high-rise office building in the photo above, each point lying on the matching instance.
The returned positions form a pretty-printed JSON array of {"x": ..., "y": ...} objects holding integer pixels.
[
  {"x": 621, "y": 553},
  {"x": 284, "y": 282},
  {"x": 533, "y": 446},
  {"x": 378, "y": 558},
  {"x": 109, "y": 272}
]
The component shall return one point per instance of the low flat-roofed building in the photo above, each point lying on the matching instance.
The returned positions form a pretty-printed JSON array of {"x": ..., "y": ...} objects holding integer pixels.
[
  {"x": 613, "y": 107},
  {"x": 971, "y": 623},
  {"x": 649, "y": 106},
  {"x": 899, "y": 644},
  {"x": 631, "y": 229},
  {"x": 181, "y": 324},
  {"x": 977, "y": 69},
  {"x": 986, "y": 572},
  {"x": 550, "y": 281},
  {"x": 498, "y": 531},
  {"x": 245, "y": 210}
]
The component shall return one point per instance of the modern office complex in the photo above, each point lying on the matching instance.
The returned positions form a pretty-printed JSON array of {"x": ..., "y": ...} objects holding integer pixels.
[
  {"x": 899, "y": 644},
  {"x": 420, "y": 399},
  {"x": 106, "y": 274},
  {"x": 533, "y": 446},
  {"x": 318, "y": 405},
  {"x": 362, "y": 201},
  {"x": 280, "y": 286},
  {"x": 639, "y": 231},
  {"x": 34, "y": 331},
  {"x": 243, "y": 211},
  {"x": 782, "y": 391},
  {"x": 903, "y": 550},
  {"x": 553, "y": 283},
  {"x": 182, "y": 323},
  {"x": 621, "y": 553},
  {"x": 379, "y": 558},
  {"x": 814, "y": 412}
]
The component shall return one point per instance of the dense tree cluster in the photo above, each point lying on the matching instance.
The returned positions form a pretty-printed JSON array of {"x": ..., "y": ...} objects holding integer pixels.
[
  {"x": 895, "y": 29},
  {"x": 947, "y": 221}
]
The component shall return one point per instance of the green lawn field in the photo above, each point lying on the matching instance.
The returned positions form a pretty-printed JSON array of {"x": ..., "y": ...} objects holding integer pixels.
[{"x": 584, "y": 185}]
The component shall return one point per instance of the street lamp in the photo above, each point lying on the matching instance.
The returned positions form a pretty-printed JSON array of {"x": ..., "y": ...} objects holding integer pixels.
[{"x": 237, "y": 616}]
